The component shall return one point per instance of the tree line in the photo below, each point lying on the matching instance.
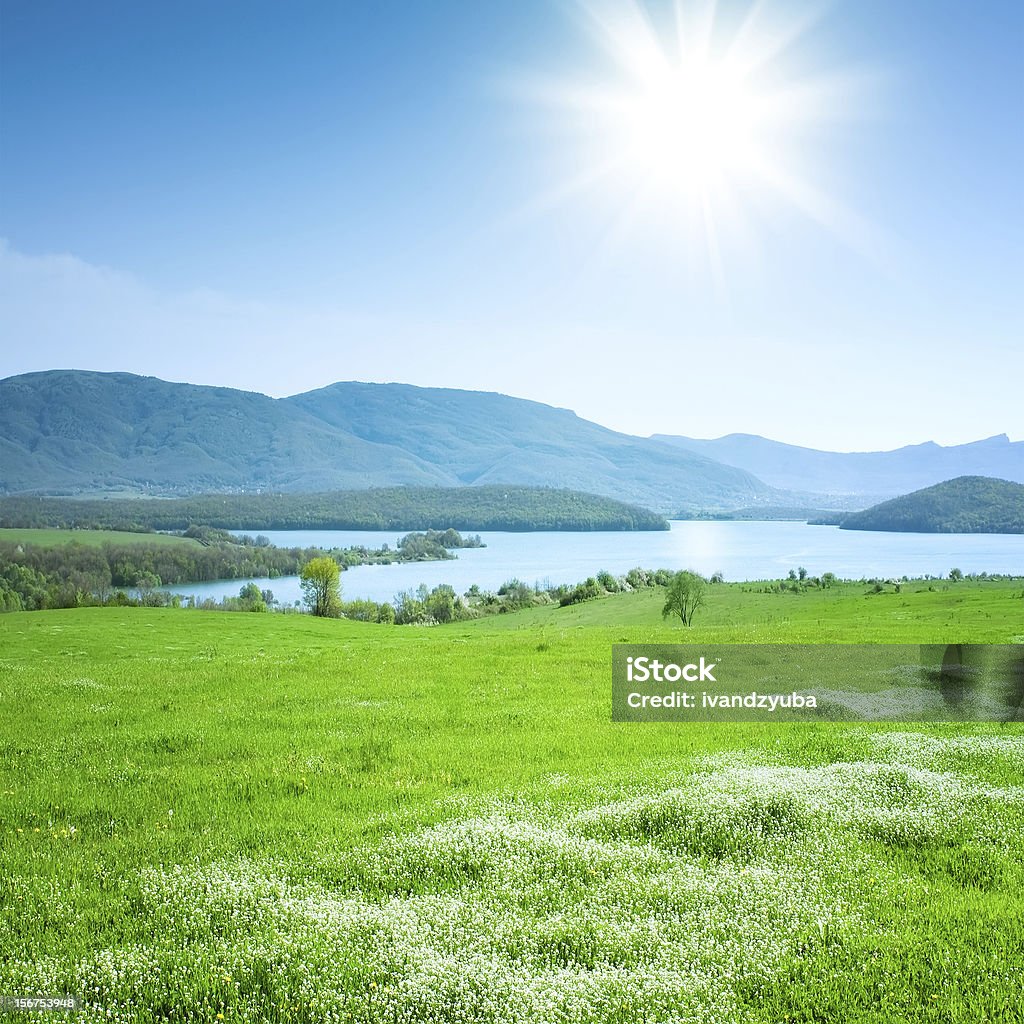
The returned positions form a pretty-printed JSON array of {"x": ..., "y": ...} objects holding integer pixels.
[
  {"x": 492, "y": 507},
  {"x": 36, "y": 576}
]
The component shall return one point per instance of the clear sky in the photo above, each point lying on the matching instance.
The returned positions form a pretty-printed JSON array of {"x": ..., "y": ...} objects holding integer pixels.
[{"x": 794, "y": 219}]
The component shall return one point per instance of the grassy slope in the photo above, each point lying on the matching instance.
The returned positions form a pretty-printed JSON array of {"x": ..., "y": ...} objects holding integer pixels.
[
  {"x": 923, "y": 612},
  {"x": 92, "y": 538},
  {"x": 294, "y": 740}
]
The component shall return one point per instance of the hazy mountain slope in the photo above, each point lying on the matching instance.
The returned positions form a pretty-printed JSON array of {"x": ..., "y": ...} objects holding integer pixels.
[
  {"x": 73, "y": 430},
  {"x": 67, "y": 431},
  {"x": 870, "y": 473},
  {"x": 482, "y": 437},
  {"x": 969, "y": 504}
]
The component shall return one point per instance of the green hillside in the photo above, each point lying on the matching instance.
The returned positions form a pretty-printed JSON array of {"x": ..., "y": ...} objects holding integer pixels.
[
  {"x": 968, "y": 504},
  {"x": 75, "y": 432}
]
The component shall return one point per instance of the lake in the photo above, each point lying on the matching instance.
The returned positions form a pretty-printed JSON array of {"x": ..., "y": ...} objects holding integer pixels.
[{"x": 739, "y": 550}]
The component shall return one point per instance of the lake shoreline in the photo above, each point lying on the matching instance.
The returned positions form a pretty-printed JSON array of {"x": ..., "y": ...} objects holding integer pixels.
[{"x": 743, "y": 550}]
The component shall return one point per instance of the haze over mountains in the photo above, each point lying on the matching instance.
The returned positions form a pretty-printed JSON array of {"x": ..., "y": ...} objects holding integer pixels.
[
  {"x": 865, "y": 474},
  {"x": 82, "y": 432}
]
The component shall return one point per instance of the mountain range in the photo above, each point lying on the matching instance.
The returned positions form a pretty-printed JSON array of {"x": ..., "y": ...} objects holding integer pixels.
[
  {"x": 869, "y": 476},
  {"x": 73, "y": 431},
  {"x": 84, "y": 432}
]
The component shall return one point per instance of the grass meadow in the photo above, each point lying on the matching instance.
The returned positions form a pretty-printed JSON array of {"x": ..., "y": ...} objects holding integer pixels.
[
  {"x": 242, "y": 817},
  {"x": 91, "y": 538}
]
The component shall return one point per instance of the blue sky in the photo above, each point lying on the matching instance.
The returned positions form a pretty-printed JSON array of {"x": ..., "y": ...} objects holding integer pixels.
[{"x": 277, "y": 196}]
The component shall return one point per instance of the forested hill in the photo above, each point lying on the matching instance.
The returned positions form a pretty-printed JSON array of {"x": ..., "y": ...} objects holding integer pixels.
[
  {"x": 396, "y": 508},
  {"x": 968, "y": 504},
  {"x": 73, "y": 432}
]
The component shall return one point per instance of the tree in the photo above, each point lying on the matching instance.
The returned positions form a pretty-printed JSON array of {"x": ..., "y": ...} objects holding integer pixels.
[
  {"x": 251, "y": 598},
  {"x": 685, "y": 595},
  {"x": 442, "y": 603},
  {"x": 320, "y": 581},
  {"x": 956, "y": 575},
  {"x": 409, "y": 606}
]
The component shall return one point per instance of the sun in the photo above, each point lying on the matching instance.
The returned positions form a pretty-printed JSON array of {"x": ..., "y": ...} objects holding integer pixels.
[
  {"x": 694, "y": 120},
  {"x": 688, "y": 127}
]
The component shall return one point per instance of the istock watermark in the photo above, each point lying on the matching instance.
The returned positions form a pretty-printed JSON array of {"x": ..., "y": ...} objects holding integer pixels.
[
  {"x": 39, "y": 1004},
  {"x": 817, "y": 682}
]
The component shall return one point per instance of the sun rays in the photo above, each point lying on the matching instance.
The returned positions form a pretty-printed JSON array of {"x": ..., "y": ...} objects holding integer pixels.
[{"x": 699, "y": 123}]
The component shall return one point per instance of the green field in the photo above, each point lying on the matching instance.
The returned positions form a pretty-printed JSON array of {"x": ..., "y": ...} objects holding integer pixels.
[
  {"x": 93, "y": 538},
  {"x": 280, "y": 818},
  {"x": 936, "y": 611}
]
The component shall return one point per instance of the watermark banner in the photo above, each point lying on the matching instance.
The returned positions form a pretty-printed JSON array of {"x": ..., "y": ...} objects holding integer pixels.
[
  {"x": 817, "y": 682},
  {"x": 39, "y": 1004}
]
